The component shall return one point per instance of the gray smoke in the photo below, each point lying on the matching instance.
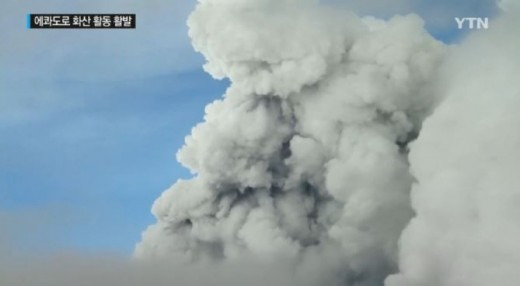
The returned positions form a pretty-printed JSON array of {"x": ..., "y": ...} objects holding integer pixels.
[
  {"x": 467, "y": 162},
  {"x": 307, "y": 171},
  {"x": 305, "y": 157}
]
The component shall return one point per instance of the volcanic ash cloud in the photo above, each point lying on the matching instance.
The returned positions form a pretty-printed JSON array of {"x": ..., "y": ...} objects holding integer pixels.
[
  {"x": 305, "y": 157},
  {"x": 467, "y": 162}
]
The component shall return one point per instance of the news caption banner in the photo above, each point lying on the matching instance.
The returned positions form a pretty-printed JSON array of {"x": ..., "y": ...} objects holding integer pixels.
[{"x": 81, "y": 21}]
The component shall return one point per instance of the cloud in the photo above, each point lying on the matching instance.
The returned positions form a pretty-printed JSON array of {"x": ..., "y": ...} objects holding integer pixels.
[
  {"x": 466, "y": 161},
  {"x": 304, "y": 158},
  {"x": 21, "y": 264},
  {"x": 110, "y": 270},
  {"x": 302, "y": 173},
  {"x": 379, "y": 8}
]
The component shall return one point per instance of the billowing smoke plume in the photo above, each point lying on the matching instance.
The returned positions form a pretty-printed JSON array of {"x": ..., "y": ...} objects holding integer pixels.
[
  {"x": 467, "y": 163},
  {"x": 304, "y": 173},
  {"x": 305, "y": 157}
]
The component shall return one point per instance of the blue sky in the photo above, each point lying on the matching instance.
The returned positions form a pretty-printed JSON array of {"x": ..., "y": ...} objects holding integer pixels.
[
  {"x": 103, "y": 162},
  {"x": 90, "y": 121}
]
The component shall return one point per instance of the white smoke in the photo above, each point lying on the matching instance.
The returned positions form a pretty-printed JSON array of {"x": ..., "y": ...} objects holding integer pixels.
[
  {"x": 305, "y": 157},
  {"x": 467, "y": 163}
]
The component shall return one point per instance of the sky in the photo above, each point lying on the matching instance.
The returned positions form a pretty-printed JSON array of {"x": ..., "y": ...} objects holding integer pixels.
[{"x": 90, "y": 121}]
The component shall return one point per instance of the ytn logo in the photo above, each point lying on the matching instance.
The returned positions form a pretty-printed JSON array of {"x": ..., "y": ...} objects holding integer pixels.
[{"x": 472, "y": 23}]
